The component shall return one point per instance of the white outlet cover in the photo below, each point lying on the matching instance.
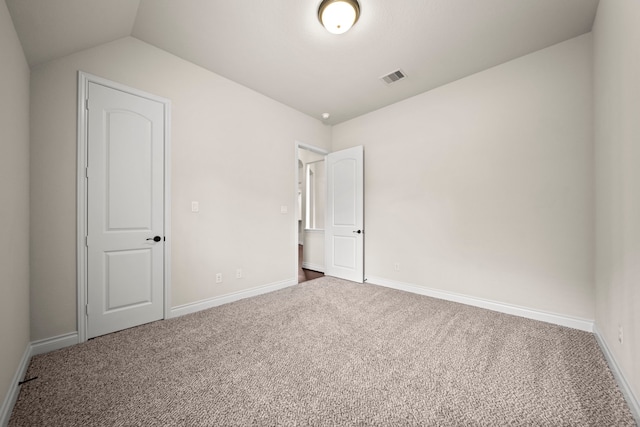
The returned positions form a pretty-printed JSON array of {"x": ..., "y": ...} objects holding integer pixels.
[
  {"x": 284, "y": 209},
  {"x": 195, "y": 206}
]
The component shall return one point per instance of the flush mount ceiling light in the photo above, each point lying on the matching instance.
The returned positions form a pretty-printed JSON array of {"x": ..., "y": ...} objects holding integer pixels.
[{"x": 338, "y": 16}]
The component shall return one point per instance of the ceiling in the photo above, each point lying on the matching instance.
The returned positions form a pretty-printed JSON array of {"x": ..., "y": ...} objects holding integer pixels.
[{"x": 278, "y": 47}]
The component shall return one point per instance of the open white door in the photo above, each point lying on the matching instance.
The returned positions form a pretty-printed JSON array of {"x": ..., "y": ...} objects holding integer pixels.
[
  {"x": 344, "y": 222},
  {"x": 125, "y": 210}
]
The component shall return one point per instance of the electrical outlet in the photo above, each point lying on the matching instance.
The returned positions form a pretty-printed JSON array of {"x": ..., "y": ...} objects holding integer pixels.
[
  {"x": 396, "y": 266},
  {"x": 219, "y": 278},
  {"x": 195, "y": 206},
  {"x": 620, "y": 334},
  {"x": 239, "y": 273}
]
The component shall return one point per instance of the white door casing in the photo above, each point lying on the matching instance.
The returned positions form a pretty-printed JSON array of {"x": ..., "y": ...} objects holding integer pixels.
[
  {"x": 344, "y": 222},
  {"x": 125, "y": 209}
]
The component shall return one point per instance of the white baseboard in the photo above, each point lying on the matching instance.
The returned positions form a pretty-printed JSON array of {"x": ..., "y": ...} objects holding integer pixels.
[
  {"x": 312, "y": 266},
  {"x": 14, "y": 389},
  {"x": 54, "y": 343},
  {"x": 193, "y": 307},
  {"x": 568, "y": 321},
  {"x": 625, "y": 388}
]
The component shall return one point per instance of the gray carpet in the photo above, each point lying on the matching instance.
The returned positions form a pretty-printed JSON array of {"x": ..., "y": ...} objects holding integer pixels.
[{"x": 328, "y": 352}]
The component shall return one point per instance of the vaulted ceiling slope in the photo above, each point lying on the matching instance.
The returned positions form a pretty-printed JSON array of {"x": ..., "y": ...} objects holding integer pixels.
[{"x": 278, "y": 47}]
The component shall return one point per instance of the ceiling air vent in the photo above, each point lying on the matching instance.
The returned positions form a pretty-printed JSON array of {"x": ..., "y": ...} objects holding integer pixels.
[{"x": 394, "y": 76}]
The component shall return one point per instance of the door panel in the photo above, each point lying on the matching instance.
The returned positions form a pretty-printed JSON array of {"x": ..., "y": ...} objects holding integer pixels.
[
  {"x": 344, "y": 230},
  {"x": 344, "y": 192},
  {"x": 129, "y": 178},
  {"x": 128, "y": 279},
  {"x": 344, "y": 250},
  {"x": 125, "y": 193}
]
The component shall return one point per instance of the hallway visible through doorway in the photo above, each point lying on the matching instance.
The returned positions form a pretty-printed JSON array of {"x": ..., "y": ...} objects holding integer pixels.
[{"x": 305, "y": 274}]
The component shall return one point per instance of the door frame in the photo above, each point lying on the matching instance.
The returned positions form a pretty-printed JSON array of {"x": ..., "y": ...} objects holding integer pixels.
[
  {"x": 300, "y": 145},
  {"x": 81, "y": 198}
]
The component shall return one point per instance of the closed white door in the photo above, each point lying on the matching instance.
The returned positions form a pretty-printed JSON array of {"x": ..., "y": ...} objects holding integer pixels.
[
  {"x": 344, "y": 227},
  {"x": 125, "y": 208}
]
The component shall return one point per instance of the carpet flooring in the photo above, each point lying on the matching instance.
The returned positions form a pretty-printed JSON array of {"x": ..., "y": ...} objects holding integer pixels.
[{"x": 328, "y": 352}]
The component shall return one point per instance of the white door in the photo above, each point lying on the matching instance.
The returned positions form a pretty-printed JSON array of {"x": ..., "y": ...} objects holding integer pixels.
[
  {"x": 344, "y": 226},
  {"x": 125, "y": 208}
]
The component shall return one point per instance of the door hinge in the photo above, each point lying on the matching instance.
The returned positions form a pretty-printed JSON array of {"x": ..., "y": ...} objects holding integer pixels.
[
  {"x": 86, "y": 241},
  {"x": 86, "y": 104},
  {"x": 86, "y": 309},
  {"x": 86, "y": 172}
]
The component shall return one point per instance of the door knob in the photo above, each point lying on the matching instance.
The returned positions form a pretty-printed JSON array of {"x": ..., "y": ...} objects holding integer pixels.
[
  {"x": 155, "y": 239},
  {"x": 357, "y": 231}
]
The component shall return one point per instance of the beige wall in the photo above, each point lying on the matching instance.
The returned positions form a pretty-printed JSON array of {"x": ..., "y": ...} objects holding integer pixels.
[
  {"x": 14, "y": 202},
  {"x": 616, "y": 36},
  {"x": 232, "y": 150},
  {"x": 483, "y": 187}
]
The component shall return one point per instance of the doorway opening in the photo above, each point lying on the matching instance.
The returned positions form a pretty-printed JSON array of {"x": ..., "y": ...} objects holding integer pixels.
[{"x": 310, "y": 192}]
